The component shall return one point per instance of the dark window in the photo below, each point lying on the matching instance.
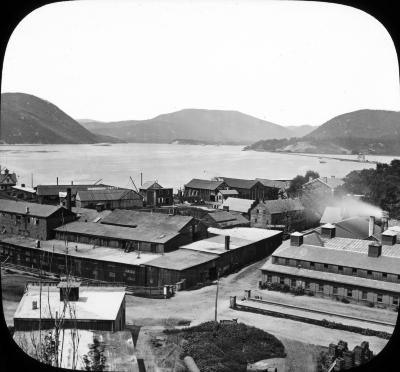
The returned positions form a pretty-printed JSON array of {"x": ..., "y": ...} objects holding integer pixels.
[
  {"x": 395, "y": 301},
  {"x": 293, "y": 282},
  {"x": 384, "y": 275},
  {"x": 286, "y": 261},
  {"x": 340, "y": 268},
  {"x": 317, "y": 287},
  {"x": 269, "y": 278},
  {"x": 281, "y": 280},
  {"x": 326, "y": 266},
  {"x": 379, "y": 297},
  {"x": 349, "y": 293},
  {"x": 369, "y": 272},
  {"x": 335, "y": 290},
  {"x": 354, "y": 271},
  {"x": 307, "y": 285},
  {"x": 312, "y": 264},
  {"x": 364, "y": 295}
]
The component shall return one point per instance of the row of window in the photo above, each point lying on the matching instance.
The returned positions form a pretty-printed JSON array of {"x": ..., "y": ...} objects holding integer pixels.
[
  {"x": 319, "y": 288},
  {"x": 341, "y": 270}
]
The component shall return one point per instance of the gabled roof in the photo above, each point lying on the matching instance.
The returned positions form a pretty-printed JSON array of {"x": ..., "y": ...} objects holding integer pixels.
[
  {"x": 196, "y": 183},
  {"x": 331, "y": 182},
  {"x": 282, "y": 205},
  {"x": 228, "y": 192},
  {"x": 24, "y": 188},
  {"x": 150, "y": 185},
  {"x": 239, "y": 205},
  {"x": 273, "y": 183},
  {"x": 36, "y": 210},
  {"x": 160, "y": 221},
  {"x": 107, "y": 194},
  {"x": 240, "y": 183},
  {"x": 227, "y": 219},
  {"x": 8, "y": 178}
]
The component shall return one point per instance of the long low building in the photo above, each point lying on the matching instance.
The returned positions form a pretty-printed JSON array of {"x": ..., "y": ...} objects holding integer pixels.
[
  {"x": 362, "y": 271},
  {"x": 203, "y": 260}
]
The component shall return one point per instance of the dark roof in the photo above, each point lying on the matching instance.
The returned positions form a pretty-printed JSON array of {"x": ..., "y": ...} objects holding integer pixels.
[
  {"x": 282, "y": 205},
  {"x": 181, "y": 259},
  {"x": 204, "y": 184},
  {"x": 37, "y": 210},
  {"x": 240, "y": 183},
  {"x": 150, "y": 185},
  {"x": 160, "y": 221},
  {"x": 150, "y": 234},
  {"x": 228, "y": 219},
  {"x": 107, "y": 194},
  {"x": 54, "y": 190},
  {"x": 273, "y": 183}
]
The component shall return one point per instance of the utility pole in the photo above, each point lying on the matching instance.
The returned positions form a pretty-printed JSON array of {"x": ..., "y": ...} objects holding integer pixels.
[{"x": 216, "y": 297}]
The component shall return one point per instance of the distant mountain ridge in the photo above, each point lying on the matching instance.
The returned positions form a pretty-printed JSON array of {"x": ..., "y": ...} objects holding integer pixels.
[
  {"x": 362, "y": 131},
  {"x": 28, "y": 119},
  {"x": 208, "y": 126}
]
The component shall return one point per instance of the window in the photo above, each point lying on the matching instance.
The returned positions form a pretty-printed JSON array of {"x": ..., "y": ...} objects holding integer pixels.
[
  {"x": 395, "y": 301},
  {"x": 312, "y": 265},
  {"x": 379, "y": 297},
  {"x": 317, "y": 287},
  {"x": 111, "y": 274},
  {"x": 255, "y": 220},
  {"x": 340, "y": 268},
  {"x": 281, "y": 280},
  {"x": 307, "y": 285},
  {"x": 364, "y": 295},
  {"x": 354, "y": 271},
  {"x": 384, "y": 275},
  {"x": 326, "y": 266},
  {"x": 286, "y": 261},
  {"x": 369, "y": 273},
  {"x": 269, "y": 278},
  {"x": 257, "y": 211},
  {"x": 293, "y": 282},
  {"x": 335, "y": 290},
  {"x": 349, "y": 293},
  {"x": 37, "y": 221}
]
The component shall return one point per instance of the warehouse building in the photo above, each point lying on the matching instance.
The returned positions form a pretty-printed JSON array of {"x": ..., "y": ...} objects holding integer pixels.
[
  {"x": 32, "y": 219},
  {"x": 155, "y": 195},
  {"x": 88, "y": 307},
  {"x": 201, "y": 261},
  {"x": 362, "y": 271}
]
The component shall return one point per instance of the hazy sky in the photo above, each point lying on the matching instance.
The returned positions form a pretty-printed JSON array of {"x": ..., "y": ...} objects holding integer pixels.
[{"x": 288, "y": 62}]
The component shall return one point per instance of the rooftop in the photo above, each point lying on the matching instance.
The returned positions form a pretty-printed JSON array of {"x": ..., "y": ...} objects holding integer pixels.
[
  {"x": 238, "y": 205},
  {"x": 150, "y": 185},
  {"x": 332, "y": 277},
  {"x": 332, "y": 182},
  {"x": 90, "y": 215},
  {"x": 148, "y": 220},
  {"x": 98, "y": 253},
  {"x": 251, "y": 234},
  {"x": 24, "y": 188},
  {"x": 274, "y": 183},
  {"x": 344, "y": 252},
  {"x": 228, "y": 192},
  {"x": 95, "y": 303},
  {"x": 282, "y": 205},
  {"x": 35, "y": 209},
  {"x": 106, "y": 194},
  {"x": 54, "y": 190},
  {"x": 196, "y": 183},
  {"x": 7, "y": 177},
  {"x": 181, "y": 259},
  {"x": 239, "y": 182},
  {"x": 141, "y": 233},
  {"x": 226, "y": 219}
]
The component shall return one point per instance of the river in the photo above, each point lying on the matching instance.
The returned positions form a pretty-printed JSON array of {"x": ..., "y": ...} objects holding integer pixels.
[{"x": 172, "y": 165}]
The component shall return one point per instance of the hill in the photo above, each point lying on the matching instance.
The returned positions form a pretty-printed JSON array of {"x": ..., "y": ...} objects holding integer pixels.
[
  {"x": 29, "y": 119},
  {"x": 301, "y": 130},
  {"x": 206, "y": 126},
  {"x": 363, "y": 131}
]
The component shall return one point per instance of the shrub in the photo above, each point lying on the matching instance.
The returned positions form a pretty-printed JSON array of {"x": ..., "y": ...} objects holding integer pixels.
[
  {"x": 298, "y": 291},
  {"x": 370, "y": 304},
  {"x": 309, "y": 293},
  {"x": 345, "y": 300}
]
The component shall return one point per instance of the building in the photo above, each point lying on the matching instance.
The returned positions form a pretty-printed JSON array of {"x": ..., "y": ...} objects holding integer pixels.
[
  {"x": 224, "y": 220},
  {"x": 7, "y": 180},
  {"x": 319, "y": 193},
  {"x": 250, "y": 189},
  {"x": 32, "y": 219},
  {"x": 82, "y": 260},
  {"x": 222, "y": 195},
  {"x": 154, "y": 195},
  {"x": 202, "y": 261},
  {"x": 108, "y": 199},
  {"x": 86, "y": 307},
  {"x": 360, "y": 271},
  {"x": 50, "y": 194},
  {"x": 23, "y": 192},
  {"x": 198, "y": 190},
  {"x": 242, "y": 206},
  {"x": 281, "y": 212},
  {"x": 281, "y": 185},
  {"x": 133, "y": 230}
]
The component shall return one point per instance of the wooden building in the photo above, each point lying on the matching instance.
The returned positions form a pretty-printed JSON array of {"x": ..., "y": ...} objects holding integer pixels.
[
  {"x": 286, "y": 212},
  {"x": 7, "y": 180},
  {"x": 224, "y": 220},
  {"x": 23, "y": 192},
  {"x": 198, "y": 190},
  {"x": 114, "y": 198},
  {"x": 361, "y": 271},
  {"x": 93, "y": 307},
  {"x": 32, "y": 219},
  {"x": 154, "y": 195}
]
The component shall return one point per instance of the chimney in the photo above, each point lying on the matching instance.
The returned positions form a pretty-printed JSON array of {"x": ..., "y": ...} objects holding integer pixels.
[
  {"x": 384, "y": 221},
  {"x": 227, "y": 242},
  {"x": 371, "y": 225},
  {"x": 57, "y": 181},
  {"x": 296, "y": 239},
  {"x": 389, "y": 237},
  {"x": 328, "y": 231},
  {"x": 374, "y": 250},
  {"x": 27, "y": 210},
  {"x": 72, "y": 183},
  {"x": 68, "y": 199},
  {"x": 225, "y": 208}
]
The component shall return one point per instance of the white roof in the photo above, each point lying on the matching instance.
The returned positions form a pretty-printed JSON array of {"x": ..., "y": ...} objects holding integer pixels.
[
  {"x": 95, "y": 303},
  {"x": 328, "y": 226},
  {"x": 238, "y": 205},
  {"x": 24, "y": 188},
  {"x": 251, "y": 234}
]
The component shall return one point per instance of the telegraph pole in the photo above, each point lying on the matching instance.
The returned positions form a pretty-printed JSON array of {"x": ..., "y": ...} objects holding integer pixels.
[{"x": 216, "y": 298}]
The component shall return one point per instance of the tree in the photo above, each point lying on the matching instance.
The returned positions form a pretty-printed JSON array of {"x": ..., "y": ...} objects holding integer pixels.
[{"x": 95, "y": 360}]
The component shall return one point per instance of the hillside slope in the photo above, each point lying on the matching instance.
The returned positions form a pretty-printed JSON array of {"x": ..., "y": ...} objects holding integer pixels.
[
  {"x": 29, "y": 119},
  {"x": 209, "y": 126}
]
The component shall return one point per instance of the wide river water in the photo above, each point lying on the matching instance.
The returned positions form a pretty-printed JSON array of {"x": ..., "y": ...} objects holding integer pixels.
[{"x": 172, "y": 165}]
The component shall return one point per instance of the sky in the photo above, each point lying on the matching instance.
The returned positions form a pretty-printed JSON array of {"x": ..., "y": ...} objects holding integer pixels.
[{"x": 287, "y": 62}]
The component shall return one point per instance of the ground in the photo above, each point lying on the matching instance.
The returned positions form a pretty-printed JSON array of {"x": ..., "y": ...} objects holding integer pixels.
[{"x": 302, "y": 341}]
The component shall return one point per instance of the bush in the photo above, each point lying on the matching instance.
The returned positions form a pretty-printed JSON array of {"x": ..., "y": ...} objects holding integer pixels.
[
  {"x": 370, "y": 304},
  {"x": 345, "y": 300},
  {"x": 298, "y": 291},
  {"x": 309, "y": 293}
]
